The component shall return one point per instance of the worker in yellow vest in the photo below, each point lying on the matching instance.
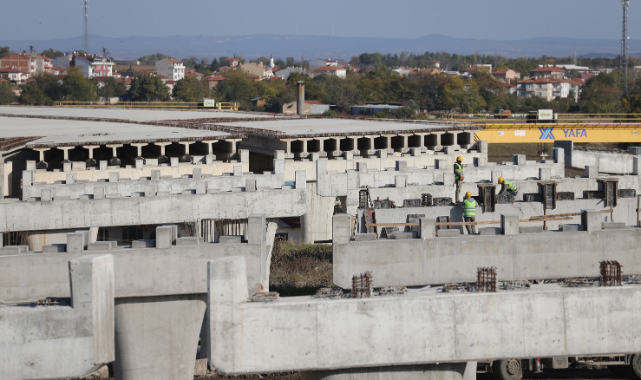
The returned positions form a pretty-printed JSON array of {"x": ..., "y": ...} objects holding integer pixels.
[
  {"x": 469, "y": 212},
  {"x": 458, "y": 176},
  {"x": 508, "y": 187}
]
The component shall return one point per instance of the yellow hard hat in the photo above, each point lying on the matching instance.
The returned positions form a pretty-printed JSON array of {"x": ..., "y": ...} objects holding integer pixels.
[
  {"x": 501, "y": 179},
  {"x": 459, "y": 158},
  {"x": 468, "y": 195}
]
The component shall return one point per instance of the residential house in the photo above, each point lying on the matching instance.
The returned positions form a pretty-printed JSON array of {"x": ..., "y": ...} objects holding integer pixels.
[
  {"x": 93, "y": 66},
  {"x": 317, "y": 63},
  {"x": 548, "y": 72},
  {"x": 547, "y": 88},
  {"x": 284, "y": 73},
  {"x": 256, "y": 69},
  {"x": 64, "y": 61},
  {"x": 506, "y": 76},
  {"x": 432, "y": 71},
  {"x": 43, "y": 64},
  {"x": 588, "y": 74},
  {"x": 15, "y": 75},
  {"x": 338, "y": 71},
  {"x": 19, "y": 61},
  {"x": 224, "y": 69},
  {"x": 233, "y": 62},
  {"x": 212, "y": 81},
  {"x": 171, "y": 68},
  {"x": 435, "y": 63},
  {"x": 55, "y": 70},
  {"x": 194, "y": 74},
  {"x": 473, "y": 69},
  {"x": 576, "y": 85}
]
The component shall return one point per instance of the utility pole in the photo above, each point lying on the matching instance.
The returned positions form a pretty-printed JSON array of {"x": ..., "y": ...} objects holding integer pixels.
[
  {"x": 85, "y": 35},
  {"x": 624, "y": 42}
]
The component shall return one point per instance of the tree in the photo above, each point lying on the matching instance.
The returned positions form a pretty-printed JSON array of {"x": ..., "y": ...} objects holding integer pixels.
[
  {"x": 6, "y": 95},
  {"x": 33, "y": 95},
  {"x": 4, "y": 51},
  {"x": 190, "y": 89},
  {"x": 50, "y": 86},
  {"x": 76, "y": 87},
  {"x": 51, "y": 53},
  {"x": 148, "y": 88},
  {"x": 342, "y": 93},
  {"x": 602, "y": 95},
  {"x": 112, "y": 89},
  {"x": 236, "y": 87}
]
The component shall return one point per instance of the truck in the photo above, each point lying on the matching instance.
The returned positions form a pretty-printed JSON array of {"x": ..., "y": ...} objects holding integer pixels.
[{"x": 628, "y": 366}]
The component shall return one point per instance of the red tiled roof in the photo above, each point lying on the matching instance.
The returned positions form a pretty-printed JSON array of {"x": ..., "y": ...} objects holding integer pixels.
[
  {"x": 214, "y": 78},
  {"x": 313, "y": 102},
  {"x": 162, "y": 76},
  {"x": 329, "y": 68},
  {"x": 544, "y": 80},
  {"x": 10, "y": 70},
  {"x": 173, "y": 60},
  {"x": 3, "y": 80},
  {"x": 56, "y": 68},
  {"x": 504, "y": 72},
  {"x": 547, "y": 70}
]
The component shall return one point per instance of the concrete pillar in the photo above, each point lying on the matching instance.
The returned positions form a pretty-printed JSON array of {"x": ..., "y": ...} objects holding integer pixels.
[
  {"x": 186, "y": 157},
  {"x": 591, "y": 220},
  {"x": 115, "y": 161},
  {"x": 406, "y": 147},
  {"x": 636, "y": 161},
  {"x": 210, "y": 149},
  {"x": 427, "y": 228},
  {"x": 75, "y": 242},
  {"x": 164, "y": 237},
  {"x": 518, "y": 159},
  {"x": 545, "y": 174},
  {"x": 401, "y": 166},
  {"x": 139, "y": 148},
  {"x": 445, "y": 371},
  {"x": 481, "y": 162},
  {"x": 157, "y": 337},
  {"x": 65, "y": 152},
  {"x": 422, "y": 146},
  {"x": 341, "y": 228},
  {"x": 591, "y": 171},
  {"x": 162, "y": 158},
  {"x": 482, "y": 146},
  {"x": 510, "y": 224},
  {"x": 558, "y": 155},
  {"x": 300, "y": 98},
  {"x": 337, "y": 152},
  {"x": 321, "y": 146},
  {"x": 304, "y": 153},
  {"x": 256, "y": 232},
  {"x": 90, "y": 161},
  {"x": 300, "y": 179},
  {"x": 41, "y": 163},
  {"x": 279, "y": 166}
]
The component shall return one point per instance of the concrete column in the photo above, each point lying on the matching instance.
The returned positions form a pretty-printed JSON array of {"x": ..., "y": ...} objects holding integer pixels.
[
  {"x": 518, "y": 159},
  {"x": 445, "y": 371},
  {"x": 337, "y": 152},
  {"x": 510, "y": 224},
  {"x": 304, "y": 153},
  {"x": 388, "y": 144},
  {"x": 427, "y": 228},
  {"x": 115, "y": 161},
  {"x": 482, "y": 146},
  {"x": 186, "y": 157},
  {"x": 422, "y": 146},
  {"x": 210, "y": 149},
  {"x": 341, "y": 228},
  {"x": 558, "y": 155},
  {"x": 591, "y": 171},
  {"x": 162, "y": 158},
  {"x": 591, "y": 220},
  {"x": 300, "y": 179},
  {"x": 636, "y": 161},
  {"x": 65, "y": 152},
  {"x": 405, "y": 148},
  {"x": 288, "y": 152},
  {"x": 545, "y": 174},
  {"x": 157, "y": 337},
  {"x": 139, "y": 148},
  {"x": 321, "y": 146},
  {"x": 91, "y": 161},
  {"x": 41, "y": 163}
]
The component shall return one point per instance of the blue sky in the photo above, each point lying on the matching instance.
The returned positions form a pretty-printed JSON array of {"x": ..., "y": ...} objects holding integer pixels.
[{"x": 494, "y": 19}]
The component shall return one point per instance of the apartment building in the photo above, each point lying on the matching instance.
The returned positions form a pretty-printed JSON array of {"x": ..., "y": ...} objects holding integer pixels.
[
  {"x": 43, "y": 64},
  {"x": 93, "y": 66},
  {"x": 548, "y": 72},
  {"x": 171, "y": 68},
  {"x": 506, "y": 76},
  {"x": 21, "y": 62},
  {"x": 546, "y": 88}
]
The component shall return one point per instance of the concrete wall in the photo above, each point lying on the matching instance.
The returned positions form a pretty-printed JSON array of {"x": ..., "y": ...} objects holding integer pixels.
[
  {"x": 607, "y": 162},
  {"x": 302, "y": 333},
  {"x": 65, "y": 214},
  {"x": 439, "y": 260},
  {"x": 47, "y": 342}
]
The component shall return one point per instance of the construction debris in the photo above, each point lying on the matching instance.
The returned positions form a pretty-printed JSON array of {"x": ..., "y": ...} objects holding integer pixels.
[
  {"x": 392, "y": 291},
  {"x": 515, "y": 285},
  {"x": 577, "y": 282},
  {"x": 330, "y": 293},
  {"x": 457, "y": 287},
  {"x": 362, "y": 285},
  {"x": 265, "y": 297}
]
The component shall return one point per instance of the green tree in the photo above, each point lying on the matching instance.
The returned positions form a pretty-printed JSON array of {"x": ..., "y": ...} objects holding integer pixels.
[
  {"x": 112, "y": 89},
  {"x": 4, "y": 51},
  {"x": 190, "y": 89},
  {"x": 602, "y": 94},
  {"x": 148, "y": 88},
  {"x": 50, "y": 86},
  {"x": 236, "y": 87},
  {"x": 51, "y": 53},
  {"x": 33, "y": 95},
  {"x": 6, "y": 95},
  {"x": 76, "y": 87},
  {"x": 343, "y": 93}
]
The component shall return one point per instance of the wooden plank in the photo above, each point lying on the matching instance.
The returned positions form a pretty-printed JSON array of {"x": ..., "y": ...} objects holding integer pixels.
[{"x": 462, "y": 223}]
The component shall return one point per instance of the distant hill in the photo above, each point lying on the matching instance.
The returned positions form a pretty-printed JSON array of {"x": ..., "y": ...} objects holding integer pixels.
[{"x": 282, "y": 46}]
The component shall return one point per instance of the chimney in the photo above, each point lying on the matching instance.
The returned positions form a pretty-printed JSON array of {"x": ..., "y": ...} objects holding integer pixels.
[{"x": 300, "y": 95}]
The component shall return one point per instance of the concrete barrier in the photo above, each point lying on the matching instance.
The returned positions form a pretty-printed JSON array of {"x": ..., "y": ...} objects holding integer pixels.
[
  {"x": 47, "y": 342},
  {"x": 430, "y": 326}
]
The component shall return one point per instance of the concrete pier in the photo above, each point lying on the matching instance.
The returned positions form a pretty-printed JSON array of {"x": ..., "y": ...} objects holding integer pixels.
[
  {"x": 51, "y": 342},
  {"x": 426, "y": 327}
]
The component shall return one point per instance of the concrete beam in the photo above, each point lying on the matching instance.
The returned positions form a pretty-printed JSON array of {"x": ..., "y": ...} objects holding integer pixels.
[
  {"x": 418, "y": 328},
  {"x": 543, "y": 255},
  {"x": 48, "y": 342}
]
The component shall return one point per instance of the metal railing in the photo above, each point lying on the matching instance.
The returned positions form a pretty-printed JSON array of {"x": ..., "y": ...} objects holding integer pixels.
[{"x": 220, "y": 106}]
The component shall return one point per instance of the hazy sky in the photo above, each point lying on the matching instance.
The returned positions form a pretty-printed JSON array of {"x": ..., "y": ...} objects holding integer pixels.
[{"x": 492, "y": 19}]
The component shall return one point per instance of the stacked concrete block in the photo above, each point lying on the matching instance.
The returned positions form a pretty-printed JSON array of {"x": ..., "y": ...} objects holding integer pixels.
[{"x": 510, "y": 224}]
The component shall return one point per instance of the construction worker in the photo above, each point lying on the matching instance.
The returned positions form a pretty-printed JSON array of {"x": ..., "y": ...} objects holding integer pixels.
[
  {"x": 508, "y": 187},
  {"x": 458, "y": 176},
  {"x": 469, "y": 212}
]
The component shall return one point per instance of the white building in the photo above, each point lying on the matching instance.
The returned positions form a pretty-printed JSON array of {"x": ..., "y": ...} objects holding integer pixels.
[
  {"x": 332, "y": 70},
  {"x": 317, "y": 63},
  {"x": 93, "y": 66},
  {"x": 547, "y": 88},
  {"x": 171, "y": 68}
]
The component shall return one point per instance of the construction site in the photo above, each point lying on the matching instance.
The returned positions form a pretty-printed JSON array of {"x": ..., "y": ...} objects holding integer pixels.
[{"x": 152, "y": 244}]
